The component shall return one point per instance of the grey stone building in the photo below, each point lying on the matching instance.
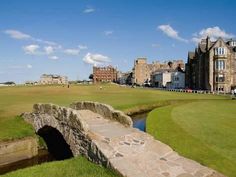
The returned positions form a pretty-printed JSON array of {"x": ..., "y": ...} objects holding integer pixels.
[
  {"x": 212, "y": 66},
  {"x": 48, "y": 79},
  {"x": 142, "y": 70}
]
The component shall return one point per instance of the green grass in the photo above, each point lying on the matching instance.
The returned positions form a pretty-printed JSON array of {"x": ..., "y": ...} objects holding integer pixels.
[
  {"x": 204, "y": 131},
  {"x": 16, "y": 100},
  {"x": 78, "y": 166}
]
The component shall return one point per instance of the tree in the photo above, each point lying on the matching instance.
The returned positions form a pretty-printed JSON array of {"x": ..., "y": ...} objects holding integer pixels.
[
  {"x": 9, "y": 83},
  {"x": 91, "y": 76},
  {"x": 170, "y": 64}
]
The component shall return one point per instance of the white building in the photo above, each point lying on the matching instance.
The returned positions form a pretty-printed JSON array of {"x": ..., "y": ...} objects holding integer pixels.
[
  {"x": 47, "y": 79},
  {"x": 161, "y": 79},
  {"x": 168, "y": 79}
]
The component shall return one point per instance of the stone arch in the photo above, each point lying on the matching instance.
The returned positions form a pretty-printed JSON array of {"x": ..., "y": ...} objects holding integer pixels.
[
  {"x": 57, "y": 146},
  {"x": 64, "y": 121}
]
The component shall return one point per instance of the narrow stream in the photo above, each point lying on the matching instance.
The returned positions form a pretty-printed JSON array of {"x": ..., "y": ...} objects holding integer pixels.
[
  {"x": 42, "y": 157},
  {"x": 139, "y": 121}
]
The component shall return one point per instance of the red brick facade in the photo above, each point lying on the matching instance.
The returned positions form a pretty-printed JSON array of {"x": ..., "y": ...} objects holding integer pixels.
[{"x": 104, "y": 74}]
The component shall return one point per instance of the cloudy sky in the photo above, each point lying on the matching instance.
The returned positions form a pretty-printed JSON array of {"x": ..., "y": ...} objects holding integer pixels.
[{"x": 68, "y": 37}]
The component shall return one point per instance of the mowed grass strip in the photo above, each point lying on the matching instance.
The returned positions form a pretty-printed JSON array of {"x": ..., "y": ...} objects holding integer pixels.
[
  {"x": 204, "y": 131},
  {"x": 79, "y": 167},
  {"x": 16, "y": 100}
]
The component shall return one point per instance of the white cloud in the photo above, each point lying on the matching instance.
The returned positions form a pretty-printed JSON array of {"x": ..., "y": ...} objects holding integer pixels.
[
  {"x": 53, "y": 57},
  {"x": 108, "y": 33},
  {"x": 22, "y": 36},
  {"x": 17, "y": 34},
  {"x": 95, "y": 59},
  {"x": 213, "y": 33},
  {"x": 156, "y": 45},
  {"x": 31, "y": 49},
  {"x": 29, "y": 66},
  {"x": 46, "y": 42},
  {"x": 89, "y": 10},
  {"x": 72, "y": 51},
  {"x": 15, "y": 67},
  {"x": 49, "y": 50},
  {"x": 170, "y": 32},
  {"x": 82, "y": 47}
]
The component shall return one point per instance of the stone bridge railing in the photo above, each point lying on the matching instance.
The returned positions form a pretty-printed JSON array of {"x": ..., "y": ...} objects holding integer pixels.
[{"x": 104, "y": 110}]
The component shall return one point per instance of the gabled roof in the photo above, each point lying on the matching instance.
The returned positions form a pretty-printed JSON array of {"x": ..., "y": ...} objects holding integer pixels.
[
  {"x": 219, "y": 39},
  {"x": 191, "y": 55},
  {"x": 202, "y": 47}
]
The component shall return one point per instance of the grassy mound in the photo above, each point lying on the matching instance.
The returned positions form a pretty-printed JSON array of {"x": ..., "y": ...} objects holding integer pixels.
[{"x": 204, "y": 131}]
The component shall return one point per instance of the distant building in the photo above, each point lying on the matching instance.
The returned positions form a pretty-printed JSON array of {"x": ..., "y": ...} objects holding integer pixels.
[
  {"x": 168, "y": 78},
  {"x": 161, "y": 79},
  {"x": 31, "y": 83},
  {"x": 9, "y": 83},
  {"x": 142, "y": 70},
  {"x": 104, "y": 74},
  {"x": 124, "y": 78},
  {"x": 212, "y": 66},
  {"x": 177, "y": 80},
  {"x": 47, "y": 79}
]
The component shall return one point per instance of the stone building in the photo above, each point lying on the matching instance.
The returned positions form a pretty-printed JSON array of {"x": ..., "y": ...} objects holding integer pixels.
[
  {"x": 47, "y": 79},
  {"x": 212, "y": 66},
  {"x": 104, "y": 74},
  {"x": 124, "y": 78},
  {"x": 142, "y": 70}
]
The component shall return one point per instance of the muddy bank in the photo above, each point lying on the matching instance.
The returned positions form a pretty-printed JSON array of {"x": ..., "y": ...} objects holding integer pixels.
[{"x": 16, "y": 150}]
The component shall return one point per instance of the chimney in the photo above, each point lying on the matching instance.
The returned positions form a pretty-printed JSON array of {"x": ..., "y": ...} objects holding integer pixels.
[{"x": 208, "y": 42}]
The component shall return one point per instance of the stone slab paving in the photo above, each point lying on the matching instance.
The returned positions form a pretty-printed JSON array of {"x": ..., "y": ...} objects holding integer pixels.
[{"x": 136, "y": 154}]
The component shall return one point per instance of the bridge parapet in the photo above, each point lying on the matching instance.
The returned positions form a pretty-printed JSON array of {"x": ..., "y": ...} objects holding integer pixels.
[
  {"x": 52, "y": 112},
  {"x": 104, "y": 110}
]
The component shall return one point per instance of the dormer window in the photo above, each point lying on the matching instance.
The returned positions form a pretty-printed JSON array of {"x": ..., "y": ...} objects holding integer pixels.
[
  {"x": 232, "y": 43},
  {"x": 220, "y": 51}
]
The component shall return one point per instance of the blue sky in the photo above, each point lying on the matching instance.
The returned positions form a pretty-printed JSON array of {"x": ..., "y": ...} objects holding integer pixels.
[{"x": 68, "y": 37}]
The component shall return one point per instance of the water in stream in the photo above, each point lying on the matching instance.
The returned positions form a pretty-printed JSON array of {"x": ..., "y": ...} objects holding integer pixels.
[
  {"x": 43, "y": 156},
  {"x": 139, "y": 121}
]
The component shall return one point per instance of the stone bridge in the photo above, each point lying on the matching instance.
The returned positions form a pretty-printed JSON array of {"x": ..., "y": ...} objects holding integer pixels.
[{"x": 105, "y": 136}]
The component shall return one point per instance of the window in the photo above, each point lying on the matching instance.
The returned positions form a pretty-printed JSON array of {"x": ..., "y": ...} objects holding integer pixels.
[
  {"x": 220, "y": 64},
  {"x": 233, "y": 43},
  {"x": 220, "y": 51},
  {"x": 220, "y": 88},
  {"x": 220, "y": 78}
]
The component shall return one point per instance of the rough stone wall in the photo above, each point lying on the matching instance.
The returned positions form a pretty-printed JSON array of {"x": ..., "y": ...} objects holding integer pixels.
[
  {"x": 65, "y": 120},
  {"x": 13, "y": 151},
  {"x": 73, "y": 129},
  {"x": 104, "y": 110}
]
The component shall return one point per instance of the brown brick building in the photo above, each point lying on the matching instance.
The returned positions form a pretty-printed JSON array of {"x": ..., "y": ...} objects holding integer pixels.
[
  {"x": 212, "y": 66},
  {"x": 104, "y": 74}
]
